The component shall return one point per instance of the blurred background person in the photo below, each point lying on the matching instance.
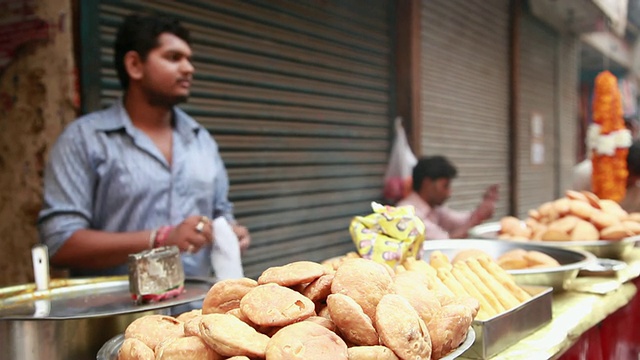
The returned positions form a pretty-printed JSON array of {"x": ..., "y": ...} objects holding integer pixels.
[
  {"x": 432, "y": 178},
  {"x": 631, "y": 201},
  {"x": 141, "y": 173}
]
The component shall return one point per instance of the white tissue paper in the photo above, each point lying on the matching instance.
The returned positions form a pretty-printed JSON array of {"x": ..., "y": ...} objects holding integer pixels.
[{"x": 225, "y": 254}]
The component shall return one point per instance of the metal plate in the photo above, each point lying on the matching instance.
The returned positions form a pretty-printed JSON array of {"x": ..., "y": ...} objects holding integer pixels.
[
  {"x": 109, "y": 350},
  {"x": 603, "y": 267},
  {"x": 571, "y": 261},
  {"x": 466, "y": 345},
  {"x": 99, "y": 297},
  {"x": 600, "y": 248}
]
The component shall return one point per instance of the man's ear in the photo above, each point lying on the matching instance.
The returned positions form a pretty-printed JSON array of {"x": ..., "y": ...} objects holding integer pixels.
[
  {"x": 441, "y": 183},
  {"x": 426, "y": 182},
  {"x": 133, "y": 65}
]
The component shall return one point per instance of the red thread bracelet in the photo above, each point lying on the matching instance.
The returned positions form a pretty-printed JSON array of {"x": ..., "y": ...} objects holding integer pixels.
[{"x": 161, "y": 236}]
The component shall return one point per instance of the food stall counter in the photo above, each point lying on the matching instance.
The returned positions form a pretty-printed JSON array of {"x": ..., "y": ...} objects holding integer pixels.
[{"x": 587, "y": 318}]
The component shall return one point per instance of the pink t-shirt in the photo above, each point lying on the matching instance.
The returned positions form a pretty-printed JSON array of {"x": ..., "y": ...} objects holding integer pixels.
[{"x": 438, "y": 222}]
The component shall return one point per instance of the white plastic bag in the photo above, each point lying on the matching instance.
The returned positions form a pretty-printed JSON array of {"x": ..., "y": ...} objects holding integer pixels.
[
  {"x": 225, "y": 254},
  {"x": 398, "y": 177}
]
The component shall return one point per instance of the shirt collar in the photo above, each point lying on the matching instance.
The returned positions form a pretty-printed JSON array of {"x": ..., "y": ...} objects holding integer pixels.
[
  {"x": 186, "y": 126},
  {"x": 116, "y": 118},
  {"x": 421, "y": 207}
]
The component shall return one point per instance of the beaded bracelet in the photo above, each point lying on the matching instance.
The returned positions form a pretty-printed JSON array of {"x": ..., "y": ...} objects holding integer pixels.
[{"x": 161, "y": 236}]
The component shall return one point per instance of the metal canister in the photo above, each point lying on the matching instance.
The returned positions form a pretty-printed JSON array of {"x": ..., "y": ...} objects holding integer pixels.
[{"x": 155, "y": 274}]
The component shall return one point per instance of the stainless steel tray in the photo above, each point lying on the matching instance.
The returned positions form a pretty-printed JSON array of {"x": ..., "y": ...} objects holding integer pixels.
[
  {"x": 99, "y": 297},
  {"x": 498, "y": 333},
  {"x": 600, "y": 248},
  {"x": 109, "y": 350},
  {"x": 30, "y": 288},
  {"x": 571, "y": 261}
]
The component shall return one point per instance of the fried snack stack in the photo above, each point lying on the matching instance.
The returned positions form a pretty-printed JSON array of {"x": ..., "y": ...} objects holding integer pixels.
[
  {"x": 578, "y": 216},
  {"x": 478, "y": 277},
  {"x": 389, "y": 235},
  {"x": 608, "y": 140},
  {"x": 351, "y": 309}
]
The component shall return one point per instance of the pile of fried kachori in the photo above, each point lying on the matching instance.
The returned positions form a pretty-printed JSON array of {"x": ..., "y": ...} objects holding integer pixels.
[
  {"x": 352, "y": 308},
  {"x": 578, "y": 216}
]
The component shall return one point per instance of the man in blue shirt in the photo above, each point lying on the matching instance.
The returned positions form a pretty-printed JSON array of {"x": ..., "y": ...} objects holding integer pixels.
[{"x": 141, "y": 173}]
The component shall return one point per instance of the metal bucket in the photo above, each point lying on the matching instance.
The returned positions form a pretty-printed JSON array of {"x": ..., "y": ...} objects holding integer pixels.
[
  {"x": 75, "y": 320},
  {"x": 61, "y": 339}
]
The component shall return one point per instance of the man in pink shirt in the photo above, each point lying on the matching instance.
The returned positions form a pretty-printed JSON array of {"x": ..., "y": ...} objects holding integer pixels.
[{"x": 432, "y": 177}]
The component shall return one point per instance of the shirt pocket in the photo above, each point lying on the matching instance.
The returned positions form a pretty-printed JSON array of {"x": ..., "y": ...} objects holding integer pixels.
[
  {"x": 130, "y": 176},
  {"x": 200, "y": 181}
]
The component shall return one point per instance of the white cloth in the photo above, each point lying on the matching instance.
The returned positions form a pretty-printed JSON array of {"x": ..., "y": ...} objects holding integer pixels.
[
  {"x": 631, "y": 201},
  {"x": 581, "y": 176},
  {"x": 225, "y": 253}
]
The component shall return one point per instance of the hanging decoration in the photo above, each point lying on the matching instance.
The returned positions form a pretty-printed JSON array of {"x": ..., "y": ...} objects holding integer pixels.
[{"x": 608, "y": 140}]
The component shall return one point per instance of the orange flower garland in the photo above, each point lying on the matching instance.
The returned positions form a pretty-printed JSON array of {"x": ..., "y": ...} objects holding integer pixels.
[{"x": 608, "y": 140}]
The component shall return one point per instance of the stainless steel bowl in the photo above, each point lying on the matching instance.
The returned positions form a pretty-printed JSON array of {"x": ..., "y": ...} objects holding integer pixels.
[
  {"x": 600, "y": 248},
  {"x": 571, "y": 261}
]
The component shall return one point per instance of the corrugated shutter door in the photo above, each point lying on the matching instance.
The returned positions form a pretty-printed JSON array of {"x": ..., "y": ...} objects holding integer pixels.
[
  {"x": 569, "y": 139},
  {"x": 297, "y": 96},
  {"x": 538, "y": 46},
  {"x": 465, "y": 95}
]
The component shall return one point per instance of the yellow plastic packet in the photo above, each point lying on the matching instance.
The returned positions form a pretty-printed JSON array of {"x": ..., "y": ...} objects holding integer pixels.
[{"x": 388, "y": 235}]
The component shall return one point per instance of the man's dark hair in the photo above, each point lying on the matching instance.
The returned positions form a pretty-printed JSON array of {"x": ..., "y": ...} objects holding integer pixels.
[
  {"x": 140, "y": 33},
  {"x": 432, "y": 167},
  {"x": 630, "y": 121},
  {"x": 633, "y": 158}
]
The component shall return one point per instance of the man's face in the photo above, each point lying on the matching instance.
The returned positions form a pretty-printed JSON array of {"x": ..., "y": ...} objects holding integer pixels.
[
  {"x": 168, "y": 71},
  {"x": 437, "y": 191},
  {"x": 632, "y": 126}
]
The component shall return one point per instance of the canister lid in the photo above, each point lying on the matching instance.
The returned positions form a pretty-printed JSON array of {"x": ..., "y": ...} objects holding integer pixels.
[{"x": 85, "y": 298}]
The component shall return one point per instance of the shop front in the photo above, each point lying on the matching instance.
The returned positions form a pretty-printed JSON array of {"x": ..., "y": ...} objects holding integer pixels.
[
  {"x": 498, "y": 98},
  {"x": 299, "y": 97}
]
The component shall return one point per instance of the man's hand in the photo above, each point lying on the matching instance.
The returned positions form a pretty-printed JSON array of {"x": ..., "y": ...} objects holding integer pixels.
[
  {"x": 191, "y": 234},
  {"x": 243, "y": 236},
  {"x": 486, "y": 208},
  {"x": 491, "y": 193}
]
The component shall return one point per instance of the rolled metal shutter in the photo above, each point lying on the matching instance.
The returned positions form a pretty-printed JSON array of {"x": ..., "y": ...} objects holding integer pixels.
[
  {"x": 465, "y": 102},
  {"x": 538, "y": 91},
  {"x": 569, "y": 140},
  {"x": 297, "y": 95}
]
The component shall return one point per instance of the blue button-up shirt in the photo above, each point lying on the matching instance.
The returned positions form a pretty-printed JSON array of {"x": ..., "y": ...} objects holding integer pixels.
[{"x": 105, "y": 174}]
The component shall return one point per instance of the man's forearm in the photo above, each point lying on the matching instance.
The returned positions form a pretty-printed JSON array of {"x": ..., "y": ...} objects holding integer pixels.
[{"x": 92, "y": 249}]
